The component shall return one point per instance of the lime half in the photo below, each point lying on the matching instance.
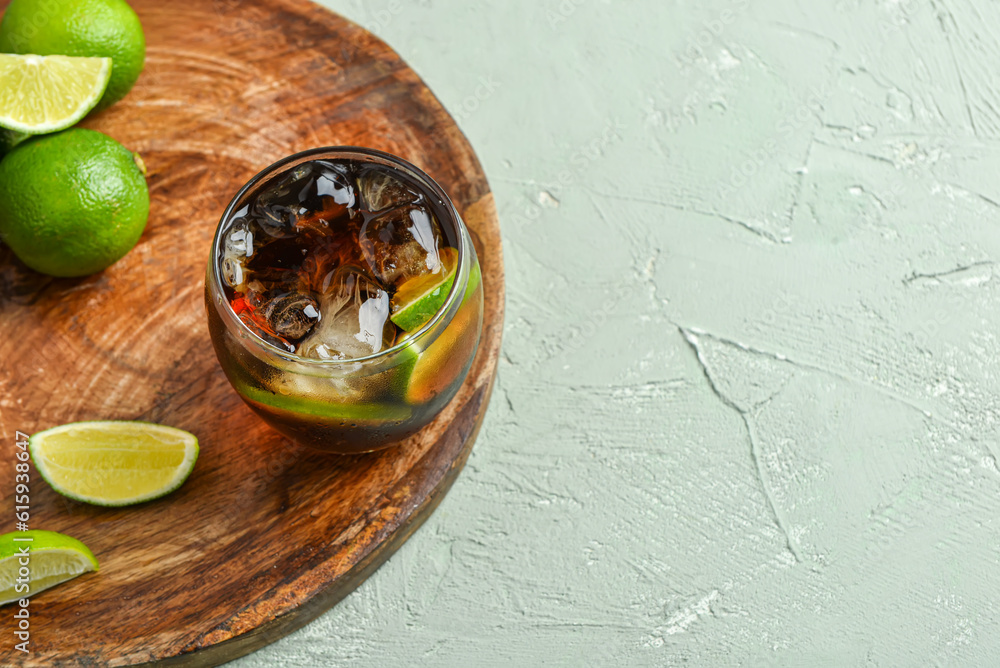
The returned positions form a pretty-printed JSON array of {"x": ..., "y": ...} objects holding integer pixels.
[
  {"x": 114, "y": 463},
  {"x": 42, "y": 94},
  {"x": 419, "y": 298},
  {"x": 52, "y": 558}
]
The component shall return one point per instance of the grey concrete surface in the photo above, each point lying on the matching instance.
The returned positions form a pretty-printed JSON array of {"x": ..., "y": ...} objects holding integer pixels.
[{"x": 748, "y": 403}]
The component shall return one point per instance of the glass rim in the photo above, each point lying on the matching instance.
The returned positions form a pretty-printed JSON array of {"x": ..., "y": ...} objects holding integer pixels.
[{"x": 461, "y": 271}]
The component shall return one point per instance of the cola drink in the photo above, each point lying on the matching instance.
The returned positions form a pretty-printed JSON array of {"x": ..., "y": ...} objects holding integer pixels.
[{"x": 344, "y": 298}]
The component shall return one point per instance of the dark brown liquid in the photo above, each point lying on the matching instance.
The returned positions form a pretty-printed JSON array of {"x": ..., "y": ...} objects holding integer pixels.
[{"x": 322, "y": 231}]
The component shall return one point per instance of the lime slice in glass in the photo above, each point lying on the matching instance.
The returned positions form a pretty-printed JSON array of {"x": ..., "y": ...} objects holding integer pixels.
[
  {"x": 42, "y": 94},
  {"x": 445, "y": 359},
  {"x": 362, "y": 412},
  {"x": 114, "y": 463},
  {"x": 419, "y": 298},
  {"x": 52, "y": 558}
]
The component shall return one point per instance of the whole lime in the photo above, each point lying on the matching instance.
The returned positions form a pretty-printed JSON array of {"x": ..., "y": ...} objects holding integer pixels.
[
  {"x": 72, "y": 203},
  {"x": 105, "y": 28}
]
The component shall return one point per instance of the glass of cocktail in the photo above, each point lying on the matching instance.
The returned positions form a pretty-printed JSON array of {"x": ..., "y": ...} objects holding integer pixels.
[{"x": 344, "y": 298}]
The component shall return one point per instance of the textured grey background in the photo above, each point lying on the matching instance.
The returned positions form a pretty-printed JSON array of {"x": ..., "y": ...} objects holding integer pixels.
[{"x": 748, "y": 402}]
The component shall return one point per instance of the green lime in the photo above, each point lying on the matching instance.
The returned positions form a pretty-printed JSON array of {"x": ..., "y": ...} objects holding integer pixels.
[
  {"x": 42, "y": 94},
  {"x": 316, "y": 406},
  {"x": 446, "y": 359},
  {"x": 72, "y": 203},
  {"x": 418, "y": 299},
  {"x": 93, "y": 28},
  {"x": 114, "y": 463},
  {"x": 52, "y": 558},
  {"x": 475, "y": 278}
]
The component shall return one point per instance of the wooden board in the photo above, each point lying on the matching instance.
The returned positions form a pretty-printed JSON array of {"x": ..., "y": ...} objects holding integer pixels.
[{"x": 264, "y": 536}]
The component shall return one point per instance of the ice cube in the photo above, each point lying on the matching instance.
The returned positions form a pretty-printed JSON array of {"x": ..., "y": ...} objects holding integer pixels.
[
  {"x": 232, "y": 272},
  {"x": 290, "y": 315},
  {"x": 254, "y": 322},
  {"x": 277, "y": 207},
  {"x": 311, "y": 194},
  {"x": 326, "y": 252},
  {"x": 332, "y": 181},
  {"x": 275, "y": 341},
  {"x": 274, "y": 264},
  {"x": 355, "y": 319},
  {"x": 401, "y": 244},
  {"x": 380, "y": 190},
  {"x": 237, "y": 247},
  {"x": 239, "y": 238}
]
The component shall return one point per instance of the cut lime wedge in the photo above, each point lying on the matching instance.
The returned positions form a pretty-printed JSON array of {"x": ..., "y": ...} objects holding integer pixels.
[
  {"x": 114, "y": 463},
  {"x": 41, "y": 94},
  {"x": 418, "y": 299},
  {"x": 52, "y": 558}
]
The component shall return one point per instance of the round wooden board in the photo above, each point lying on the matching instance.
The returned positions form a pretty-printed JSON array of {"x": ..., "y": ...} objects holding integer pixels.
[{"x": 264, "y": 536}]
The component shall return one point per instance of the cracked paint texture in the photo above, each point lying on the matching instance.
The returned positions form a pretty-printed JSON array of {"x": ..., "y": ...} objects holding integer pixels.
[{"x": 749, "y": 396}]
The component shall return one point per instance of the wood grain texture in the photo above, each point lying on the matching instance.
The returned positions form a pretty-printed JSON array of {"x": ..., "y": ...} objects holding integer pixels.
[{"x": 264, "y": 536}]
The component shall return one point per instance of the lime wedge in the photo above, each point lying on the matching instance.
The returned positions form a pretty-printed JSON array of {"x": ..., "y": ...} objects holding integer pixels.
[
  {"x": 447, "y": 358},
  {"x": 52, "y": 558},
  {"x": 419, "y": 298},
  {"x": 114, "y": 463},
  {"x": 362, "y": 412},
  {"x": 475, "y": 278},
  {"x": 41, "y": 94}
]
